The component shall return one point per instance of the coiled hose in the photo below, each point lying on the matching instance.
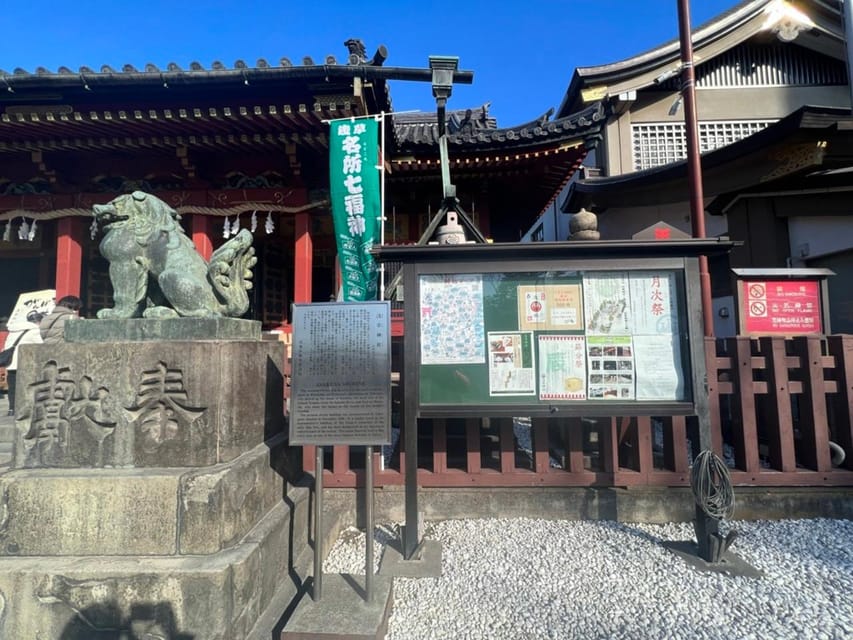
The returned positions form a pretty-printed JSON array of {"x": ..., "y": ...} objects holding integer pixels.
[{"x": 712, "y": 485}]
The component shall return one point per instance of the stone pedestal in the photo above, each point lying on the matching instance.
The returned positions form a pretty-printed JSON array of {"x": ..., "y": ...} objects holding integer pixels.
[{"x": 148, "y": 486}]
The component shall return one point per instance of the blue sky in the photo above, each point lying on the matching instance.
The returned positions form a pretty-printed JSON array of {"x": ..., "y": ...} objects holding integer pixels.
[{"x": 522, "y": 53}]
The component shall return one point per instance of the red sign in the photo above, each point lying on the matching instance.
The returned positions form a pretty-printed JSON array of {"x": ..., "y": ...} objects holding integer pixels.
[{"x": 786, "y": 307}]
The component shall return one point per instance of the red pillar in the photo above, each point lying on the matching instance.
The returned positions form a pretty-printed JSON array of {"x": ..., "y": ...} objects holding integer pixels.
[
  {"x": 69, "y": 256},
  {"x": 302, "y": 260},
  {"x": 302, "y": 265},
  {"x": 202, "y": 230}
]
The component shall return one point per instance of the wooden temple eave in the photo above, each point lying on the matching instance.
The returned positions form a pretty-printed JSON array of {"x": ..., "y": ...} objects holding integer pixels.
[
  {"x": 210, "y": 202},
  {"x": 213, "y": 127},
  {"x": 494, "y": 160}
]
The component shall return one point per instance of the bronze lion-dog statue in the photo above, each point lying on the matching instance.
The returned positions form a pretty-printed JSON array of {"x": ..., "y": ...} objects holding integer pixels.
[{"x": 156, "y": 271}]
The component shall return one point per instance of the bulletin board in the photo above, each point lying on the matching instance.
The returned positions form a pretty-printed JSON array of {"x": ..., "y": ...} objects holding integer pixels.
[
  {"x": 562, "y": 329},
  {"x": 557, "y": 336}
]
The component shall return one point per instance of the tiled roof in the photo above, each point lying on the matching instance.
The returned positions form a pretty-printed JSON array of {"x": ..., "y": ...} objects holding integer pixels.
[
  {"x": 356, "y": 57},
  {"x": 727, "y": 29},
  {"x": 152, "y": 86},
  {"x": 475, "y": 129}
]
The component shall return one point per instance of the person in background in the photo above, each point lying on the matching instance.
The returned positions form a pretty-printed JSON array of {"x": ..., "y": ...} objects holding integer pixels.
[
  {"x": 52, "y": 326},
  {"x": 20, "y": 333}
]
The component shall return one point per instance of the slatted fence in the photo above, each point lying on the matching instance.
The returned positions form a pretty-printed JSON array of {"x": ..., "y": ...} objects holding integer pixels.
[{"x": 776, "y": 404}]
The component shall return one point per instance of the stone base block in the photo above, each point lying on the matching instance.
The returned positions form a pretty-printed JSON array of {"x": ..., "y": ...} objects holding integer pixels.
[
  {"x": 74, "y": 512},
  {"x": 343, "y": 612},
  {"x": 215, "y": 597},
  {"x": 146, "y": 404}
]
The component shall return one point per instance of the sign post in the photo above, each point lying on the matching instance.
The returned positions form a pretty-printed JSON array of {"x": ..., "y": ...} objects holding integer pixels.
[{"x": 341, "y": 395}]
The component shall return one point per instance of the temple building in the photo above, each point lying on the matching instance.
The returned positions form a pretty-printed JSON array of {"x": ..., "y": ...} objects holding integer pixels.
[
  {"x": 773, "y": 108},
  {"x": 247, "y": 146}
]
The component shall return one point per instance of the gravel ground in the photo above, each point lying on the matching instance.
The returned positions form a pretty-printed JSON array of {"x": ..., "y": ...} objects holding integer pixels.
[{"x": 516, "y": 579}]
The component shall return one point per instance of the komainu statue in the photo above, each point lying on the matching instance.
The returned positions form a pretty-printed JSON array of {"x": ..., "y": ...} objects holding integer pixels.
[{"x": 156, "y": 271}]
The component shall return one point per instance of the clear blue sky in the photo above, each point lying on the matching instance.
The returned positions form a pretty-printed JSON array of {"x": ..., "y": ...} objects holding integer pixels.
[{"x": 522, "y": 53}]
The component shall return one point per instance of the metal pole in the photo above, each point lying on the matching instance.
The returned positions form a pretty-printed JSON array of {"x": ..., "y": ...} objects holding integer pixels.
[
  {"x": 368, "y": 517},
  {"x": 848, "y": 27},
  {"x": 410, "y": 418},
  {"x": 694, "y": 163},
  {"x": 317, "y": 589},
  {"x": 382, "y": 201}
]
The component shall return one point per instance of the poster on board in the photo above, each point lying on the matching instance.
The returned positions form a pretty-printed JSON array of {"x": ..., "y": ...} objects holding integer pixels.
[{"x": 511, "y": 364}]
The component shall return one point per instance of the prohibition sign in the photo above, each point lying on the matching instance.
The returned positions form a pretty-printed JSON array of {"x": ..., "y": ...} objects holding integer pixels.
[
  {"x": 757, "y": 309},
  {"x": 756, "y": 291}
]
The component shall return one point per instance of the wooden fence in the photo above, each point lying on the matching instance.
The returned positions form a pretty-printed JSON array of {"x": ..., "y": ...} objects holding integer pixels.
[{"x": 776, "y": 404}]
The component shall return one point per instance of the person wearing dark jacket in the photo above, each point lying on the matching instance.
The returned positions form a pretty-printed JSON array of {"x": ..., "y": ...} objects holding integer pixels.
[{"x": 53, "y": 325}]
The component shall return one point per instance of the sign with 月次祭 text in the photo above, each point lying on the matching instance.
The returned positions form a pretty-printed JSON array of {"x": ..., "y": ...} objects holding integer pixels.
[{"x": 341, "y": 374}]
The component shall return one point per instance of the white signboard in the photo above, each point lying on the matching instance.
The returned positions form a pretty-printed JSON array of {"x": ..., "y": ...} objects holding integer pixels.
[{"x": 41, "y": 301}]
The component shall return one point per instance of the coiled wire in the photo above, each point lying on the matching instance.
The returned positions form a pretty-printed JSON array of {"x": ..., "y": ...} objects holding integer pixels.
[{"x": 712, "y": 485}]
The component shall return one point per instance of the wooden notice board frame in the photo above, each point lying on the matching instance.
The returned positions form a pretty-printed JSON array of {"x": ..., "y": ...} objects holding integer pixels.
[{"x": 518, "y": 266}]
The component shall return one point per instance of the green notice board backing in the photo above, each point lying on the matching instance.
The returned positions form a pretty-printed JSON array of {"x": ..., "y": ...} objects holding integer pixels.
[{"x": 553, "y": 338}]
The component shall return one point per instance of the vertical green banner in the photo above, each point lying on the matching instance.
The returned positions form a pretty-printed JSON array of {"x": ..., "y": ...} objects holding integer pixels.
[{"x": 354, "y": 186}]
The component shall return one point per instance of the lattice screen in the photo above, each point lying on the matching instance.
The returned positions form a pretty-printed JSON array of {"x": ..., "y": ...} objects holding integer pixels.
[{"x": 658, "y": 143}]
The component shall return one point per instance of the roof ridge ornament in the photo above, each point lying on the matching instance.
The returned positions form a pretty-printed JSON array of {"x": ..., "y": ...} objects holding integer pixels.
[{"x": 786, "y": 21}]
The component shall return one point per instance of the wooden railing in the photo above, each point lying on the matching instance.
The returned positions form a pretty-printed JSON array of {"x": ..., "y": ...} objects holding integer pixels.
[{"x": 775, "y": 403}]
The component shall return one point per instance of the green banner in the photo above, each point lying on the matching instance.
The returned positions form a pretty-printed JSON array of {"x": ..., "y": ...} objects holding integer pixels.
[{"x": 354, "y": 186}]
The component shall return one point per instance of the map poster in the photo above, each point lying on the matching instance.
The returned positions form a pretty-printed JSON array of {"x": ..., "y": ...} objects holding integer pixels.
[
  {"x": 606, "y": 303},
  {"x": 658, "y": 367},
  {"x": 611, "y": 368},
  {"x": 550, "y": 307},
  {"x": 511, "y": 367},
  {"x": 451, "y": 309},
  {"x": 562, "y": 373}
]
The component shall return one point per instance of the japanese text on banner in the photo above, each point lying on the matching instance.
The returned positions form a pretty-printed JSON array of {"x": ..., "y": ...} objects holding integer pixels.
[{"x": 356, "y": 207}]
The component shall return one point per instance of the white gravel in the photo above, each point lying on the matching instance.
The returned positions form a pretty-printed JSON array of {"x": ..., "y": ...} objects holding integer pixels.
[{"x": 514, "y": 579}]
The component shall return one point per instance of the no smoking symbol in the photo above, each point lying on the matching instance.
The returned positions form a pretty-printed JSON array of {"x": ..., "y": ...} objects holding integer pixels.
[{"x": 756, "y": 291}]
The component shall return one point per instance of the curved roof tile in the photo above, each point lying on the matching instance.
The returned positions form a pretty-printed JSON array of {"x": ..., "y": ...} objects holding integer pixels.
[
  {"x": 747, "y": 17},
  {"x": 217, "y": 65},
  {"x": 473, "y": 128}
]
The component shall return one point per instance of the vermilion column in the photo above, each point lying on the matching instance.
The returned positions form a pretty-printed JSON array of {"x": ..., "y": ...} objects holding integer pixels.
[
  {"x": 69, "y": 256},
  {"x": 302, "y": 265},
  {"x": 302, "y": 258},
  {"x": 202, "y": 230}
]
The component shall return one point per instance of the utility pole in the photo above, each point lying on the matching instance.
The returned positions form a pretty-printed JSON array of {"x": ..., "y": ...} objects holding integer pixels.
[{"x": 694, "y": 163}]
